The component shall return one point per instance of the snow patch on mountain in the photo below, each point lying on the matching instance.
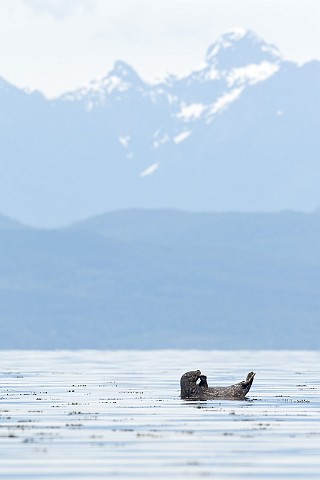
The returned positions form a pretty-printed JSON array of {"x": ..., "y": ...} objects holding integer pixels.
[
  {"x": 271, "y": 50},
  {"x": 124, "y": 140},
  {"x": 212, "y": 74},
  {"x": 149, "y": 170},
  {"x": 181, "y": 137},
  {"x": 224, "y": 101},
  {"x": 191, "y": 112},
  {"x": 251, "y": 74},
  {"x": 160, "y": 138}
]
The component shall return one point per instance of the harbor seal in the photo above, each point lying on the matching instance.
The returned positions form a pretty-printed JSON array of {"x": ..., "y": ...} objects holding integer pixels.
[{"x": 192, "y": 390}]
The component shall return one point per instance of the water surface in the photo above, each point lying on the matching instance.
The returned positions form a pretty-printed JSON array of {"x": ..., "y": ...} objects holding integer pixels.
[{"x": 99, "y": 414}]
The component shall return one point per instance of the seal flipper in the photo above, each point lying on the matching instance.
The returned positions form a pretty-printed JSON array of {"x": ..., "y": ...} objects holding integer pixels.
[
  {"x": 203, "y": 382},
  {"x": 246, "y": 384}
]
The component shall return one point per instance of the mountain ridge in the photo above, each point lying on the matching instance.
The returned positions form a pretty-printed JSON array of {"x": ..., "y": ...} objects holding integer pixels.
[{"x": 237, "y": 133}]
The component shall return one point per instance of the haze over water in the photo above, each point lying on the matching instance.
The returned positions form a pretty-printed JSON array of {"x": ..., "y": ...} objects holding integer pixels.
[{"x": 99, "y": 414}]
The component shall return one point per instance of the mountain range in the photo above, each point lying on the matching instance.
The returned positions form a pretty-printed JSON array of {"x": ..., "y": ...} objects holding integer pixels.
[{"x": 239, "y": 133}]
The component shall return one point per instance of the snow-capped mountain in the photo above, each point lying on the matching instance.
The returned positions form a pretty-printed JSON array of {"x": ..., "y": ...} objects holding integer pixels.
[{"x": 240, "y": 132}]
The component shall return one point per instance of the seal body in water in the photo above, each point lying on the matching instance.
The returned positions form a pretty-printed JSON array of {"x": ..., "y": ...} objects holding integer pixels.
[{"x": 192, "y": 390}]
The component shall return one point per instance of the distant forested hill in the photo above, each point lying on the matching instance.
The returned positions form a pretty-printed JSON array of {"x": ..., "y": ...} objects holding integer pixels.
[{"x": 162, "y": 279}]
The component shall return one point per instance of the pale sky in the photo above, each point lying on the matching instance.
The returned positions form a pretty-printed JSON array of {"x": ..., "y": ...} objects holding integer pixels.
[{"x": 59, "y": 45}]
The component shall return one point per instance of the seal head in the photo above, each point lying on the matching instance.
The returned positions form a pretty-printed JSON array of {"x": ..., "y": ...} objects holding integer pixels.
[{"x": 188, "y": 384}]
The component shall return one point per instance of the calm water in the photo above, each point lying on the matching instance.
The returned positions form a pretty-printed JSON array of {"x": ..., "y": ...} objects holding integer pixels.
[{"x": 95, "y": 414}]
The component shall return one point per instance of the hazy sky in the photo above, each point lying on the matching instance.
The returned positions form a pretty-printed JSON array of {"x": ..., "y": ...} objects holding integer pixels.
[{"x": 58, "y": 45}]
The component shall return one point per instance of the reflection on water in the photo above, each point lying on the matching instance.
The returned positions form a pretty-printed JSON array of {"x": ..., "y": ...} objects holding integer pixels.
[{"x": 95, "y": 414}]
